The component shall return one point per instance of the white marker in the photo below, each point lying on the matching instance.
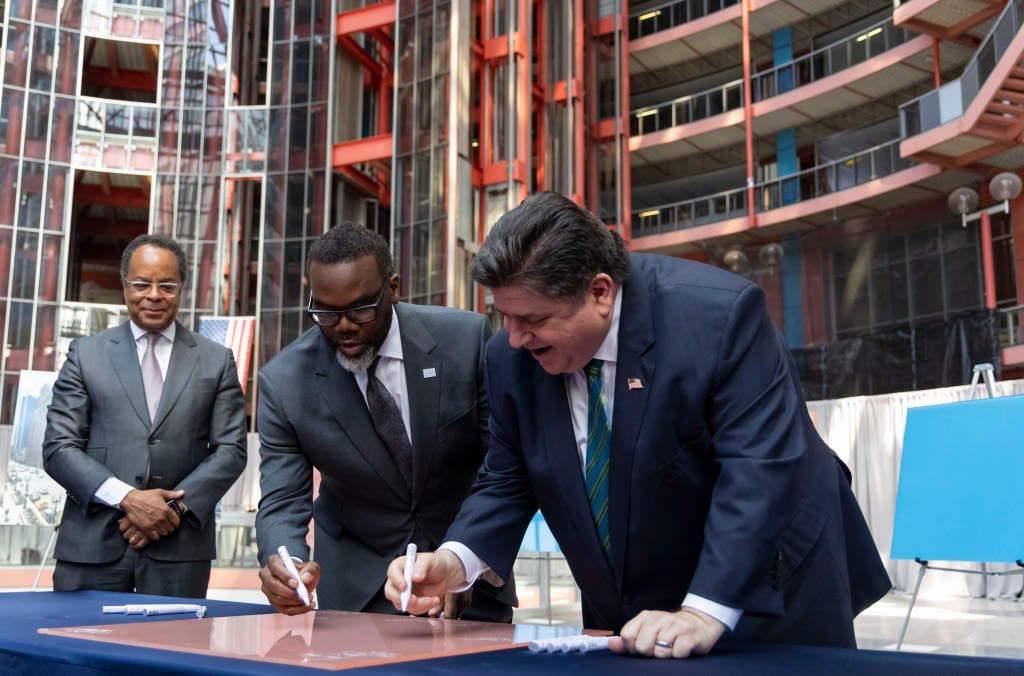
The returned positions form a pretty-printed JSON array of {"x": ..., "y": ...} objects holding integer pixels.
[
  {"x": 301, "y": 590},
  {"x": 157, "y": 609},
  {"x": 410, "y": 561}
]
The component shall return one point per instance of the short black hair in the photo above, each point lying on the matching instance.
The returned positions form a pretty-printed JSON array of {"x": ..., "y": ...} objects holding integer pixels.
[
  {"x": 347, "y": 242},
  {"x": 160, "y": 242},
  {"x": 551, "y": 246}
]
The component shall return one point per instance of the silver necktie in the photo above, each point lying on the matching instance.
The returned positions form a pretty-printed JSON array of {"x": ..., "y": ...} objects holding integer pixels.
[{"x": 152, "y": 380}]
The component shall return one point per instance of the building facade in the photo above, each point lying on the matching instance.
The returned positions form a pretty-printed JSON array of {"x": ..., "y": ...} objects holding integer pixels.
[{"x": 810, "y": 145}]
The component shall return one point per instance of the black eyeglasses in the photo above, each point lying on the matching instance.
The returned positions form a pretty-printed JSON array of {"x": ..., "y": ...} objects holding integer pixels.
[{"x": 364, "y": 314}]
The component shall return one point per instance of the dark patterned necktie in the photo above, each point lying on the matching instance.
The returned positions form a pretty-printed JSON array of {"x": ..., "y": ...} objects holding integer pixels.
[
  {"x": 152, "y": 379},
  {"x": 387, "y": 420},
  {"x": 597, "y": 455}
]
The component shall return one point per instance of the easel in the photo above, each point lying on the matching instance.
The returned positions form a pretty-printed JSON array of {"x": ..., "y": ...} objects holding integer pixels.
[
  {"x": 58, "y": 515},
  {"x": 985, "y": 372}
]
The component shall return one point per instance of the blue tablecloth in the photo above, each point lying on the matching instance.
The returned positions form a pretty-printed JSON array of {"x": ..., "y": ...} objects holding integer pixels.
[{"x": 24, "y": 651}]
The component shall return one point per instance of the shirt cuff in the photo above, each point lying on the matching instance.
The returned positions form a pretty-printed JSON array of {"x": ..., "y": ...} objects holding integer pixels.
[
  {"x": 111, "y": 492},
  {"x": 724, "y": 614},
  {"x": 474, "y": 566}
]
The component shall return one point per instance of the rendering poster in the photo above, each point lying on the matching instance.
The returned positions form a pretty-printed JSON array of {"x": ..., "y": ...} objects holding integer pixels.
[{"x": 28, "y": 496}]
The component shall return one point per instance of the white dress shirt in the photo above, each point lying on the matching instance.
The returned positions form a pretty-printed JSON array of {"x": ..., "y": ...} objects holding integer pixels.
[
  {"x": 391, "y": 371},
  {"x": 579, "y": 401},
  {"x": 112, "y": 491}
]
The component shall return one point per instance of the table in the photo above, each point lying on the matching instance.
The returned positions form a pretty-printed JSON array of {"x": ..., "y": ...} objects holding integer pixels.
[{"x": 24, "y": 651}]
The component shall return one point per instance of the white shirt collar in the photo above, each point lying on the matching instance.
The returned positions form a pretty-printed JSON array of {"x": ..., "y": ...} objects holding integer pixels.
[
  {"x": 167, "y": 333},
  {"x": 609, "y": 349},
  {"x": 392, "y": 345}
]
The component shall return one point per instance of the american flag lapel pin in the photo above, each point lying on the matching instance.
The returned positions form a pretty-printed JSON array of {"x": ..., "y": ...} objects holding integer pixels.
[{"x": 633, "y": 384}]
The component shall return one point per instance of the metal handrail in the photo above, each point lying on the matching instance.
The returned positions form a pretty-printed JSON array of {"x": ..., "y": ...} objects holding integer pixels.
[
  {"x": 823, "y": 179},
  {"x": 1012, "y": 327},
  {"x": 116, "y": 118},
  {"x": 949, "y": 101},
  {"x": 816, "y": 65},
  {"x": 671, "y": 14},
  {"x": 833, "y": 58}
]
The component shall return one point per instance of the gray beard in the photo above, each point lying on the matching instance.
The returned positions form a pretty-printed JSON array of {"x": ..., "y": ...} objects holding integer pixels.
[{"x": 360, "y": 363}]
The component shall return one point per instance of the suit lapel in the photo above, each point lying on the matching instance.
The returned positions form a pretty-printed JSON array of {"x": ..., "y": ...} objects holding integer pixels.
[
  {"x": 184, "y": 357},
  {"x": 341, "y": 395},
  {"x": 557, "y": 438},
  {"x": 423, "y": 380},
  {"x": 125, "y": 359},
  {"x": 636, "y": 336}
]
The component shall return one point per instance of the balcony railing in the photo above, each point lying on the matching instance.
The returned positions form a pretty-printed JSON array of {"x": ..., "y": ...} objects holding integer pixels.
[
  {"x": 687, "y": 109},
  {"x": 670, "y": 14},
  {"x": 821, "y": 63},
  {"x": 825, "y": 179},
  {"x": 1011, "y": 328},
  {"x": 949, "y": 101},
  {"x": 115, "y": 134},
  {"x": 124, "y": 18},
  {"x": 828, "y": 60}
]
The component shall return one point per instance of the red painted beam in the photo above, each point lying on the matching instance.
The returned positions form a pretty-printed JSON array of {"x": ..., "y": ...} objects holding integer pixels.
[
  {"x": 137, "y": 80},
  {"x": 361, "y": 150},
  {"x": 365, "y": 18}
]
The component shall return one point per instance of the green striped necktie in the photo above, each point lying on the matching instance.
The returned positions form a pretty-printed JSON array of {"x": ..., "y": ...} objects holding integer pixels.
[{"x": 598, "y": 440}]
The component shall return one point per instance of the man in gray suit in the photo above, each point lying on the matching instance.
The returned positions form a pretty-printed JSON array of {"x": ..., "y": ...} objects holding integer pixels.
[
  {"x": 317, "y": 410},
  {"x": 146, "y": 432}
]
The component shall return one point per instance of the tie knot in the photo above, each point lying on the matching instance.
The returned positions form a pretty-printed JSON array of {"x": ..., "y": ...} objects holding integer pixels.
[
  {"x": 593, "y": 369},
  {"x": 153, "y": 337},
  {"x": 371, "y": 370}
]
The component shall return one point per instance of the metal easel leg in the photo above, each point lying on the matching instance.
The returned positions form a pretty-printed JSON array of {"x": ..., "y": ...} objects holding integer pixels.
[
  {"x": 46, "y": 556},
  {"x": 988, "y": 372},
  {"x": 913, "y": 600}
]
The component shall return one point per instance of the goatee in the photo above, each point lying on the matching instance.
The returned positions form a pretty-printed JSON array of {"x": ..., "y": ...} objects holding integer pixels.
[{"x": 360, "y": 363}]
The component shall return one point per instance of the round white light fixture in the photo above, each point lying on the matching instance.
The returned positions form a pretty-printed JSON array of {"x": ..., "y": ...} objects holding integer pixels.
[
  {"x": 1005, "y": 186},
  {"x": 963, "y": 201},
  {"x": 770, "y": 253},
  {"x": 735, "y": 260}
]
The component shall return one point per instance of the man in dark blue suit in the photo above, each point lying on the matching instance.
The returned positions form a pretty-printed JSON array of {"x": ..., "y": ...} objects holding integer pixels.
[{"x": 680, "y": 472}]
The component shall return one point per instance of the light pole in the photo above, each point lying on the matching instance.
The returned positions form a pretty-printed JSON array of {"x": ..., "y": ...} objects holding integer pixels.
[{"x": 1004, "y": 187}]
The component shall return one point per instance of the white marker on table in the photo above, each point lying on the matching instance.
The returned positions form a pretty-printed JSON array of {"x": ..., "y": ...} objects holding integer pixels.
[
  {"x": 286, "y": 558},
  {"x": 410, "y": 561},
  {"x": 157, "y": 609}
]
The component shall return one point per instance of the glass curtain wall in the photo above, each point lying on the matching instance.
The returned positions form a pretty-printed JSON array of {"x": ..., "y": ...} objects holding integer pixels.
[
  {"x": 423, "y": 89},
  {"x": 41, "y": 45},
  {"x": 298, "y": 152}
]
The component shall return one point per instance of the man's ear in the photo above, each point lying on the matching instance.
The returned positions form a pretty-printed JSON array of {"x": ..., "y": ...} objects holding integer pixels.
[{"x": 602, "y": 291}]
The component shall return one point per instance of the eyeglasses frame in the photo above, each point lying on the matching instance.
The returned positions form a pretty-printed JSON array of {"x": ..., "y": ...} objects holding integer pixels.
[{"x": 337, "y": 314}]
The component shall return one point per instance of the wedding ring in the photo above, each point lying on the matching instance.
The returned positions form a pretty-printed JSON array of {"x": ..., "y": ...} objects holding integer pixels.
[{"x": 663, "y": 644}]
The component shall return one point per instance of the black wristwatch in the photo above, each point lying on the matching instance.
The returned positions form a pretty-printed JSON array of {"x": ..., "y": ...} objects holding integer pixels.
[{"x": 177, "y": 507}]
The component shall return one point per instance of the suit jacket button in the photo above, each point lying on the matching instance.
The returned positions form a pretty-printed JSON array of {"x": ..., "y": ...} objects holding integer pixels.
[{"x": 139, "y": 480}]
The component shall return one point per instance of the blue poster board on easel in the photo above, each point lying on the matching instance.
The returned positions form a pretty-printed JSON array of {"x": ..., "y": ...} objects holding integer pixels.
[
  {"x": 960, "y": 487},
  {"x": 961, "y": 482}
]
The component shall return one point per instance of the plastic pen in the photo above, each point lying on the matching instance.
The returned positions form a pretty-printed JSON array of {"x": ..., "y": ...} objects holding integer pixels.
[
  {"x": 410, "y": 561},
  {"x": 286, "y": 558}
]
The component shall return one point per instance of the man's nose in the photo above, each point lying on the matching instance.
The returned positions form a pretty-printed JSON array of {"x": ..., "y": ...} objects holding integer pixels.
[
  {"x": 517, "y": 335},
  {"x": 346, "y": 325}
]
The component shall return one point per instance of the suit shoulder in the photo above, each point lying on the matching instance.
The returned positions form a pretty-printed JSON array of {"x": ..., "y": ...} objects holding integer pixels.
[
  {"x": 666, "y": 273},
  {"x": 442, "y": 316}
]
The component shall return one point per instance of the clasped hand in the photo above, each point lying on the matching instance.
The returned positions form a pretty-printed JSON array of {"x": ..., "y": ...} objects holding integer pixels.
[{"x": 147, "y": 517}]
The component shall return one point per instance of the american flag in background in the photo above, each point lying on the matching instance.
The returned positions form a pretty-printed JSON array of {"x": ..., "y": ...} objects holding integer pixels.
[{"x": 235, "y": 333}]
